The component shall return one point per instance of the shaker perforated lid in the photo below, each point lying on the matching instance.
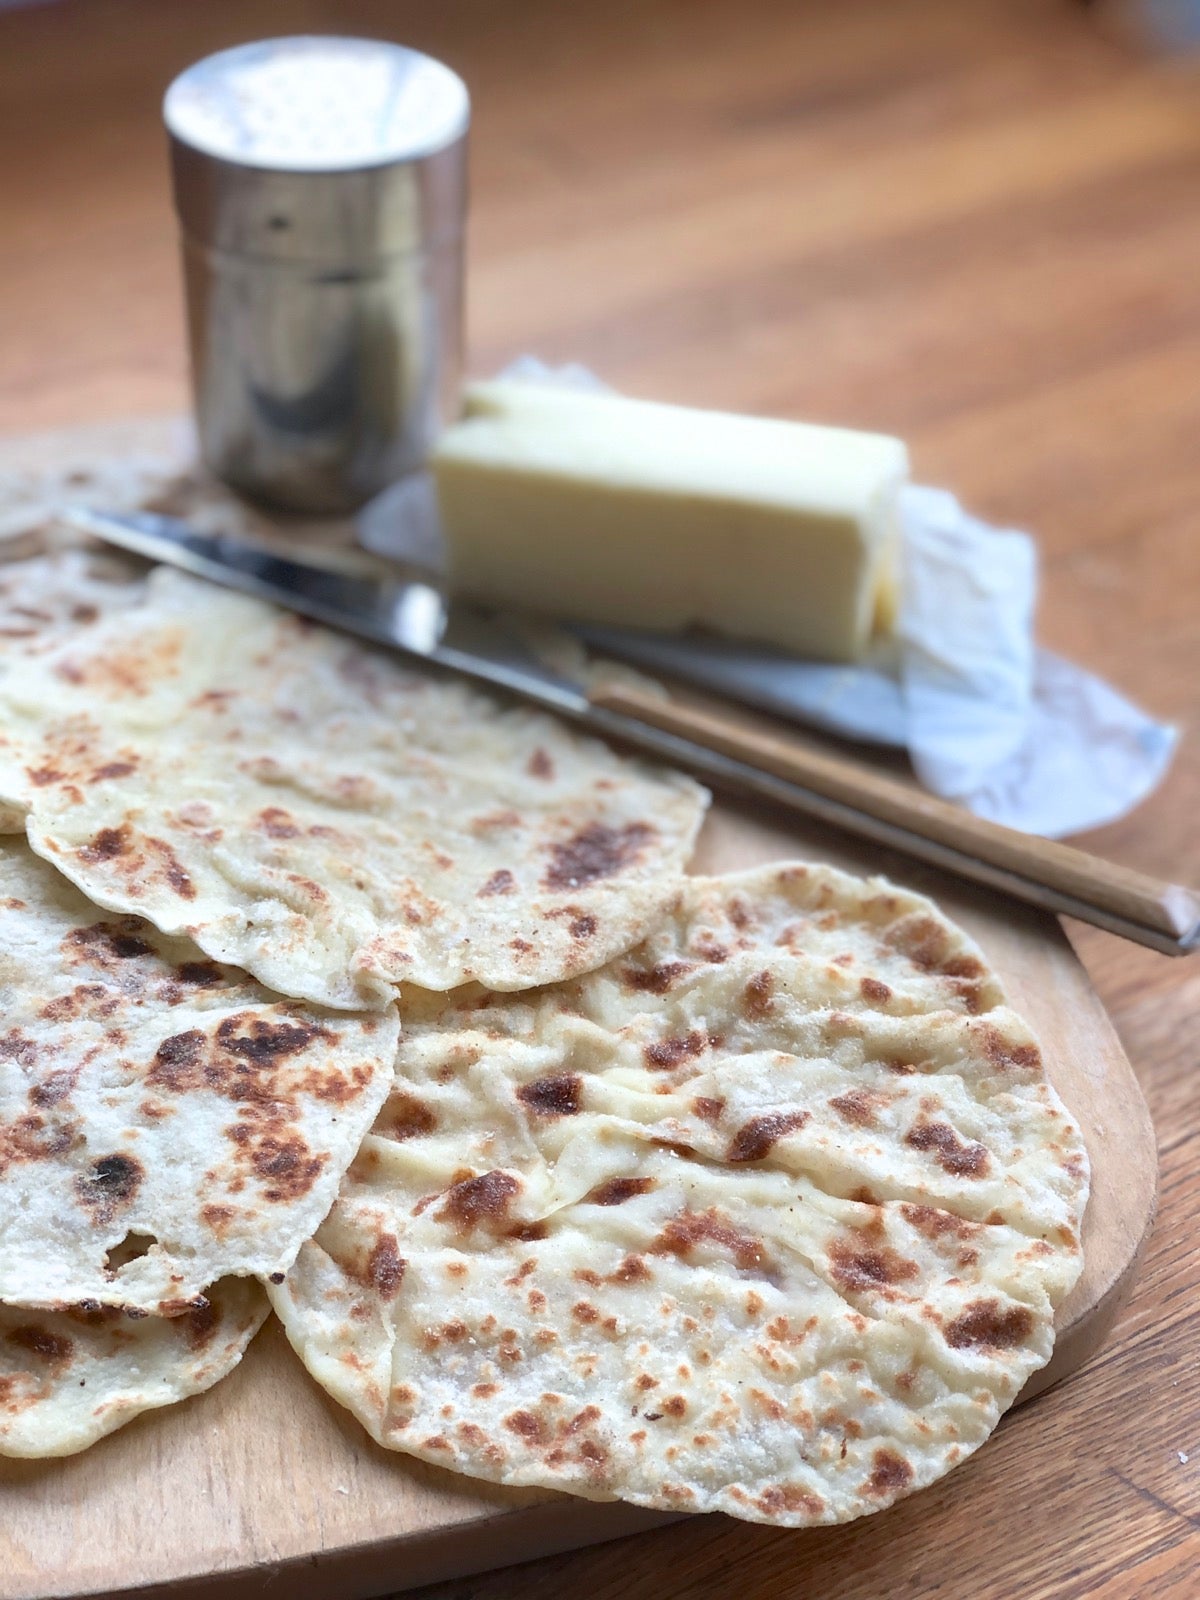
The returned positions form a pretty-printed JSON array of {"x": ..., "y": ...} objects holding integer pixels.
[
  {"x": 318, "y": 148},
  {"x": 313, "y": 104}
]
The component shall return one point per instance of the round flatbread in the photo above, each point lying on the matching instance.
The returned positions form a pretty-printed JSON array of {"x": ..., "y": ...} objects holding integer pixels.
[
  {"x": 769, "y": 1216},
  {"x": 327, "y": 818},
  {"x": 164, "y": 1121},
  {"x": 69, "y": 1377}
]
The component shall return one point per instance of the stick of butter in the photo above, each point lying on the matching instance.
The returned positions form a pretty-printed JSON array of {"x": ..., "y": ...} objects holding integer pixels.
[{"x": 598, "y": 508}]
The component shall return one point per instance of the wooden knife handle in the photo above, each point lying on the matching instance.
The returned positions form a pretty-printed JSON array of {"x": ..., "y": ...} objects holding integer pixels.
[{"x": 1163, "y": 907}]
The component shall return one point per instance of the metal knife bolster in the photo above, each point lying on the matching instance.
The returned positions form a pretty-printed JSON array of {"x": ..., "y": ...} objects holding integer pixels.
[{"x": 413, "y": 617}]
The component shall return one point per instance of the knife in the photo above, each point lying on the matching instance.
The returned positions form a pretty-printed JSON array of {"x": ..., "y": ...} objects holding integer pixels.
[{"x": 415, "y": 618}]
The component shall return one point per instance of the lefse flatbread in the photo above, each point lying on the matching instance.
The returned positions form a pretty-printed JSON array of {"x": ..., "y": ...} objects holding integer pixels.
[
  {"x": 69, "y": 1377},
  {"x": 769, "y": 1216},
  {"x": 164, "y": 1121},
  {"x": 328, "y": 819},
  {"x": 46, "y": 599},
  {"x": 51, "y": 596}
]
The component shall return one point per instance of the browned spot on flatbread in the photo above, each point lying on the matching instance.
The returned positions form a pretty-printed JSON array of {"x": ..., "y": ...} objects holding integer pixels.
[
  {"x": 255, "y": 1039},
  {"x": 18, "y": 1046},
  {"x": 890, "y": 1473},
  {"x": 115, "y": 769},
  {"x": 739, "y": 913},
  {"x": 103, "y": 942},
  {"x": 921, "y": 938},
  {"x": 555, "y": 1096},
  {"x": 860, "y": 1264},
  {"x": 874, "y": 990},
  {"x": 664, "y": 1054},
  {"x": 688, "y": 1229},
  {"x": 617, "y": 1190},
  {"x": 935, "y": 1223},
  {"x": 1003, "y": 1054},
  {"x": 54, "y": 1088},
  {"x": 756, "y": 997},
  {"x": 42, "y": 777},
  {"x": 172, "y": 868},
  {"x": 278, "y": 1154},
  {"x": 404, "y": 1117},
  {"x": 754, "y": 1139},
  {"x": 29, "y": 1138},
  {"x": 484, "y": 1200},
  {"x": 200, "y": 1323},
  {"x": 311, "y": 890},
  {"x": 656, "y": 979},
  {"x": 791, "y": 1498},
  {"x": 964, "y": 967},
  {"x": 528, "y": 1231},
  {"x": 277, "y": 823},
  {"x": 709, "y": 949},
  {"x": 106, "y": 845},
  {"x": 94, "y": 999},
  {"x": 386, "y": 1266},
  {"x": 117, "y": 845},
  {"x": 109, "y": 1186},
  {"x": 500, "y": 882},
  {"x": 857, "y": 1106},
  {"x": 53, "y": 1350},
  {"x": 495, "y": 819},
  {"x": 708, "y": 1108},
  {"x": 198, "y": 974},
  {"x": 180, "y": 1306},
  {"x": 960, "y": 1158},
  {"x": 534, "y": 1429},
  {"x": 582, "y": 927},
  {"x": 540, "y": 765},
  {"x": 990, "y": 1324},
  {"x": 176, "y": 1062},
  {"x": 631, "y": 1270},
  {"x": 217, "y": 1217},
  {"x": 597, "y": 851}
]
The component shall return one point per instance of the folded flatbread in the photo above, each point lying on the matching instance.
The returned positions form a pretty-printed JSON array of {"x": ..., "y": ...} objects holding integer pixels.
[
  {"x": 69, "y": 1377},
  {"x": 164, "y": 1120}
]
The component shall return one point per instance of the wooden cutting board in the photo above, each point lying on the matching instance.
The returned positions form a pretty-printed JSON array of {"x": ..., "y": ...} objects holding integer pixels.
[{"x": 263, "y": 1486}]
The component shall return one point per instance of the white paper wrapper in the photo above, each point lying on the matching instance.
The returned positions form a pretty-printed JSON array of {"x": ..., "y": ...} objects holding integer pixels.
[{"x": 1015, "y": 733}]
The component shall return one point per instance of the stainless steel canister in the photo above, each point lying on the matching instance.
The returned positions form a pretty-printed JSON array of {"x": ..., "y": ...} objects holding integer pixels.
[{"x": 321, "y": 189}]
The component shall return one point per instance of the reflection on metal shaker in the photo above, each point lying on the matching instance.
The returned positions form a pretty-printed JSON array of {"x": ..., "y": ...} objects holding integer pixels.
[{"x": 321, "y": 190}]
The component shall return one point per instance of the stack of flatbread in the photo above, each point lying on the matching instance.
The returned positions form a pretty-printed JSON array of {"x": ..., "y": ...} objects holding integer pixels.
[{"x": 336, "y": 984}]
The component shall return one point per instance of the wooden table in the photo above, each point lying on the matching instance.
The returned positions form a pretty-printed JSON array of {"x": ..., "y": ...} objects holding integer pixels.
[{"x": 973, "y": 222}]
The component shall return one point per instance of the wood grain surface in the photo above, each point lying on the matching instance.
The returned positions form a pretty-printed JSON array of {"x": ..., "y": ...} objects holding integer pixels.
[{"x": 974, "y": 223}]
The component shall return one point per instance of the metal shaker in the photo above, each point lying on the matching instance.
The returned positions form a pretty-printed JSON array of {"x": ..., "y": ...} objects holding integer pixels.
[{"x": 320, "y": 185}]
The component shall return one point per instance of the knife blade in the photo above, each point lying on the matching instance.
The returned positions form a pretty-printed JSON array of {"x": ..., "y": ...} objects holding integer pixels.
[
  {"x": 415, "y": 618},
  {"x": 407, "y": 615}
]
